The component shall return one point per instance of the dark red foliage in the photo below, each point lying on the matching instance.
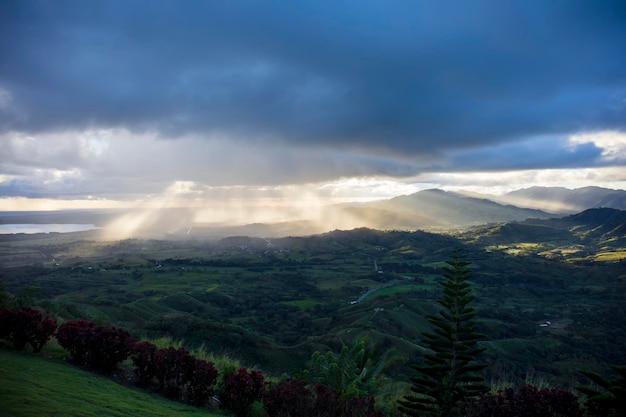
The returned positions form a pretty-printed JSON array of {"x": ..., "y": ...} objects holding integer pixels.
[
  {"x": 292, "y": 398},
  {"x": 288, "y": 398},
  {"x": 174, "y": 373},
  {"x": 6, "y": 323},
  {"x": 360, "y": 407},
  {"x": 97, "y": 347},
  {"x": 201, "y": 379},
  {"x": 527, "y": 401},
  {"x": 73, "y": 337},
  {"x": 169, "y": 367},
  {"x": 142, "y": 356},
  {"x": 26, "y": 326},
  {"x": 241, "y": 390},
  {"x": 327, "y": 401}
]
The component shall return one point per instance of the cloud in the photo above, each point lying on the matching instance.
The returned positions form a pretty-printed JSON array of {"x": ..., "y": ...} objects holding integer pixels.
[
  {"x": 397, "y": 78},
  {"x": 118, "y": 162},
  {"x": 205, "y": 101},
  {"x": 536, "y": 153},
  {"x": 613, "y": 145}
]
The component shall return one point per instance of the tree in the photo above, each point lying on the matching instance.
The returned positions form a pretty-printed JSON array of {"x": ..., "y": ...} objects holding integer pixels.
[
  {"x": 450, "y": 375},
  {"x": 354, "y": 372},
  {"x": 609, "y": 400}
]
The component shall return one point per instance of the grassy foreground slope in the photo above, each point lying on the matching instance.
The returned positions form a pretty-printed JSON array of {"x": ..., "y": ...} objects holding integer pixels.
[{"x": 32, "y": 386}]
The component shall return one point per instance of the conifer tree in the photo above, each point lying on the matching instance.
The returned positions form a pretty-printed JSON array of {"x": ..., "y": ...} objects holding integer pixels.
[{"x": 451, "y": 373}]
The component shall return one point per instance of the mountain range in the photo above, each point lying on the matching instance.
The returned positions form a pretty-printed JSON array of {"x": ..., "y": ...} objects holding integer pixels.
[
  {"x": 437, "y": 210},
  {"x": 560, "y": 200}
]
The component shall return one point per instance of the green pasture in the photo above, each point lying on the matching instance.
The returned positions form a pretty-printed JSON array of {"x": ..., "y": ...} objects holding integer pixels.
[{"x": 397, "y": 289}]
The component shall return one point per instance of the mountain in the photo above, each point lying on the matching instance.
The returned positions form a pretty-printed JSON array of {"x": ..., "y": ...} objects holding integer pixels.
[
  {"x": 564, "y": 200},
  {"x": 436, "y": 210}
]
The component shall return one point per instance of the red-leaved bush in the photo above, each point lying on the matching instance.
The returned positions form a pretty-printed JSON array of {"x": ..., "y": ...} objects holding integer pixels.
[
  {"x": 288, "y": 398},
  {"x": 241, "y": 390},
  {"x": 26, "y": 326},
  {"x": 143, "y": 358},
  {"x": 527, "y": 401},
  {"x": 174, "y": 373},
  {"x": 293, "y": 398},
  {"x": 97, "y": 347}
]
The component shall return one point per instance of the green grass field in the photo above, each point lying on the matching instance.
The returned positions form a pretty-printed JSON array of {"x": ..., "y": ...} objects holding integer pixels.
[{"x": 33, "y": 386}]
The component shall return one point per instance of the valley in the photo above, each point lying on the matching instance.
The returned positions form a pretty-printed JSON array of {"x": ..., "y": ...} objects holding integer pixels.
[{"x": 550, "y": 294}]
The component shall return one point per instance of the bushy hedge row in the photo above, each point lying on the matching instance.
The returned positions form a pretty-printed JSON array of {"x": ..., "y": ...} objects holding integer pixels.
[{"x": 174, "y": 372}]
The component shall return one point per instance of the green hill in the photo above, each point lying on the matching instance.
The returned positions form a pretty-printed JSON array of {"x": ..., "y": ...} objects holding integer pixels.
[{"x": 33, "y": 386}]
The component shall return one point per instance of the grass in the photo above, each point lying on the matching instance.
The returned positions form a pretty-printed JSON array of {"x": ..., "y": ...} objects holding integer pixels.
[
  {"x": 611, "y": 256},
  {"x": 397, "y": 289},
  {"x": 31, "y": 385}
]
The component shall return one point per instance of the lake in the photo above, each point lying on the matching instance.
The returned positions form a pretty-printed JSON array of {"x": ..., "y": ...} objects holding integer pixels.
[{"x": 31, "y": 228}]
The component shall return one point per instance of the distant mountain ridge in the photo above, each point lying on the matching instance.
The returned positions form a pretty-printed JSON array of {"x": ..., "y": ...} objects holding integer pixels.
[
  {"x": 564, "y": 200},
  {"x": 437, "y": 209}
]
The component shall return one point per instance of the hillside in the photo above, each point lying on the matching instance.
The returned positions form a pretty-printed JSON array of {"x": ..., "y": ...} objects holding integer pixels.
[
  {"x": 601, "y": 224},
  {"x": 32, "y": 385},
  {"x": 592, "y": 233}
]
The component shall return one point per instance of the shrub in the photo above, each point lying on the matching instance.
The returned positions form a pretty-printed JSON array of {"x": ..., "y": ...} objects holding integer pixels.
[
  {"x": 174, "y": 373},
  {"x": 170, "y": 365},
  {"x": 143, "y": 358},
  {"x": 288, "y": 398},
  {"x": 26, "y": 326},
  {"x": 292, "y": 398},
  {"x": 73, "y": 337},
  {"x": 527, "y": 401},
  {"x": 97, "y": 347},
  {"x": 6, "y": 323},
  {"x": 241, "y": 390},
  {"x": 201, "y": 379}
]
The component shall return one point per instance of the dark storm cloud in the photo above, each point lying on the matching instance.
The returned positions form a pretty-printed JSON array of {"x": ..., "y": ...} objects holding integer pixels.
[
  {"x": 532, "y": 154},
  {"x": 399, "y": 77}
]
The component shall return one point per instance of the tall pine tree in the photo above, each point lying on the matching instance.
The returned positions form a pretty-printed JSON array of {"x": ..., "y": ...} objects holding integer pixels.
[{"x": 451, "y": 373}]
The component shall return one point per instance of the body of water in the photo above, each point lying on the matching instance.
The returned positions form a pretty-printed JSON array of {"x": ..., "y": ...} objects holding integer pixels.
[{"x": 31, "y": 228}]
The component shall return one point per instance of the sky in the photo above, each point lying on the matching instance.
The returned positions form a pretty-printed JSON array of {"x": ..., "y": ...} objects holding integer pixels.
[{"x": 303, "y": 103}]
